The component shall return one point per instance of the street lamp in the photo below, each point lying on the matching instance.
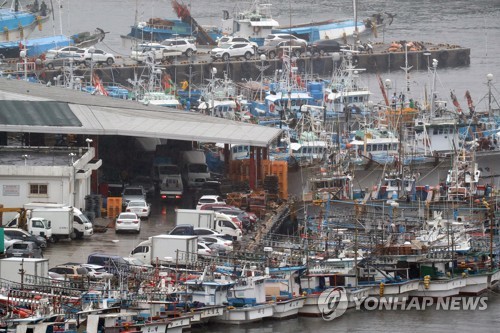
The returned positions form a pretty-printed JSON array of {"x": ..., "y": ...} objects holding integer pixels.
[
  {"x": 212, "y": 83},
  {"x": 388, "y": 86},
  {"x": 89, "y": 141},
  {"x": 91, "y": 51},
  {"x": 262, "y": 69},
  {"x": 23, "y": 54},
  {"x": 489, "y": 77},
  {"x": 25, "y": 159},
  {"x": 72, "y": 155}
]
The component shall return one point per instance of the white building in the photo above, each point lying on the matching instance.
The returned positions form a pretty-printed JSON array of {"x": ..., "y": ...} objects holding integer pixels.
[{"x": 45, "y": 174}]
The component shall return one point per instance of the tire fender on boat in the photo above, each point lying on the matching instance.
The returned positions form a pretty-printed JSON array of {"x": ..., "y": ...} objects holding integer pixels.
[
  {"x": 256, "y": 29},
  {"x": 462, "y": 58},
  {"x": 443, "y": 56}
]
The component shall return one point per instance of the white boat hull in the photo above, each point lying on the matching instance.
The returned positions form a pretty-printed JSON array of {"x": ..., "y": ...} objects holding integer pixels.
[
  {"x": 245, "y": 315},
  {"x": 440, "y": 288},
  {"x": 475, "y": 284},
  {"x": 178, "y": 324},
  {"x": 494, "y": 279},
  {"x": 354, "y": 296},
  {"x": 288, "y": 308},
  {"x": 396, "y": 292},
  {"x": 205, "y": 314}
]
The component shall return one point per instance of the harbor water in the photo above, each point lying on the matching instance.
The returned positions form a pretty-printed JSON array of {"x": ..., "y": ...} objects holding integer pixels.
[{"x": 471, "y": 24}]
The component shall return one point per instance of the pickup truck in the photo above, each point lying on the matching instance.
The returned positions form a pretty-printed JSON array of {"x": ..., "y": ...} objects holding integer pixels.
[{"x": 153, "y": 52}]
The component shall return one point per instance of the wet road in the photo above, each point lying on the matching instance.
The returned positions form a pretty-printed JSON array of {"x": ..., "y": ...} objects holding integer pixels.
[{"x": 162, "y": 220}]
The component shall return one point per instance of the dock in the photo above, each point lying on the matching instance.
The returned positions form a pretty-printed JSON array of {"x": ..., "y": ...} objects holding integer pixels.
[{"x": 200, "y": 67}]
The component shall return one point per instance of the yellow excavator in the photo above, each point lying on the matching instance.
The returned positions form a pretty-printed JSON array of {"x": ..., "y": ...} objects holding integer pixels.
[{"x": 22, "y": 221}]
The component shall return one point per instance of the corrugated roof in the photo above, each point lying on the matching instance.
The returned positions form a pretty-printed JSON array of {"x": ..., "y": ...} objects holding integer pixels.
[{"x": 31, "y": 107}]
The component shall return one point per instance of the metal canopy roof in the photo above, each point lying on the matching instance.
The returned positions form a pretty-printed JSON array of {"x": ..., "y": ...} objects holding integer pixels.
[{"x": 36, "y": 108}]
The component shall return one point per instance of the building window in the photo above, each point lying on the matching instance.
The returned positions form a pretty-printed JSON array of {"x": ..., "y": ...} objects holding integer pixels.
[{"x": 39, "y": 190}]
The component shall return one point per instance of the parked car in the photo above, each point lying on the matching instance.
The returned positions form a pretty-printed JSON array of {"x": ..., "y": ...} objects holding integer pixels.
[
  {"x": 7, "y": 241},
  {"x": 234, "y": 39},
  {"x": 66, "y": 50},
  {"x": 201, "y": 232},
  {"x": 70, "y": 271},
  {"x": 148, "y": 52},
  {"x": 147, "y": 184},
  {"x": 93, "y": 55},
  {"x": 209, "y": 187},
  {"x": 61, "y": 60},
  {"x": 241, "y": 215},
  {"x": 16, "y": 233},
  {"x": 323, "y": 46},
  {"x": 204, "y": 250},
  {"x": 183, "y": 230},
  {"x": 183, "y": 45},
  {"x": 276, "y": 48},
  {"x": 128, "y": 222},
  {"x": 210, "y": 199},
  {"x": 97, "y": 272},
  {"x": 217, "y": 244},
  {"x": 133, "y": 193},
  {"x": 24, "y": 249},
  {"x": 112, "y": 263},
  {"x": 233, "y": 50},
  {"x": 283, "y": 37},
  {"x": 139, "y": 207}
]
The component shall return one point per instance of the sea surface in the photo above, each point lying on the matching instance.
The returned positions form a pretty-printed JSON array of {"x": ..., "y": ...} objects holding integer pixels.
[{"x": 471, "y": 24}]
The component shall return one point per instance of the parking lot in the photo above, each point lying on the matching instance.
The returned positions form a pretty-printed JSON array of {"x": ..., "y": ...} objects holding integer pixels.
[{"x": 162, "y": 220}]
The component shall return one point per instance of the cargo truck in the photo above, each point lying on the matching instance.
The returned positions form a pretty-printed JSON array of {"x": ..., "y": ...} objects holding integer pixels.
[
  {"x": 167, "y": 176},
  {"x": 10, "y": 268},
  {"x": 80, "y": 226},
  {"x": 194, "y": 168},
  {"x": 167, "y": 249},
  {"x": 210, "y": 219}
]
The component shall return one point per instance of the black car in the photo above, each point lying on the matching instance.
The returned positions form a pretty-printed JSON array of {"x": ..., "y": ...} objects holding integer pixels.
[
  {"x": 323, "y": 46},
  {"x": 183, "y": 230}
]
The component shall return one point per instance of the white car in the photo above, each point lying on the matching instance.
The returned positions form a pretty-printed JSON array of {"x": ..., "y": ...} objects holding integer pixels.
[
  {"x": 140, "y": 207},
  {"x": 233, "y": 50},
  {"x": 93, "y": 55},
  {"x": 210, "y": 199},
  {"x": 66, "y": 50},
  {"x": 234, "y": 39},
  {"x": 128, "y": 222},
  {"x": 204, "y": 250},
  {"x": 183, "y": 45},
  {"x": 97, "y": 272},
  {"x": 284, "y": 37},
  {"x": 217, "y": 244}
]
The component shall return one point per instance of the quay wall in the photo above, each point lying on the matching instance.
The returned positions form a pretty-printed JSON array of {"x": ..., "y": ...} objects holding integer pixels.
[{"x": 239, "y": 70}]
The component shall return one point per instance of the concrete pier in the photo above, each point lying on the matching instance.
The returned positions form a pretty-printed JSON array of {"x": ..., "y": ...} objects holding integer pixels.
[{"x": 381, "y": 60}]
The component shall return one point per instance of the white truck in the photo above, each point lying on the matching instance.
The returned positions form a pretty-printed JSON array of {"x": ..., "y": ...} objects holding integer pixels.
[
  {"x": 194, "y": 168},
  {"x": 210, "y": 219},
  {"x": 9, "y": 268},
  {"x": 168, "y": 177},
  {"x": 59, "y": 215},
  {"x": 167, "y": 249}
]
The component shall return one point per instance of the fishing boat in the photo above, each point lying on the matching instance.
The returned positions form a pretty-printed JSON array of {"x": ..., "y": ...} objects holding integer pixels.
[
  {"x": 18, "y": 23},
  {"x": 159, "y": 29},
  {"x": 247, "y": 300},
  {"x": 255, "y": 22},
  {"x": 38, "y": 46},
  {"x": 284, "y": 292},
  {"x": 341, "y": 29}
]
